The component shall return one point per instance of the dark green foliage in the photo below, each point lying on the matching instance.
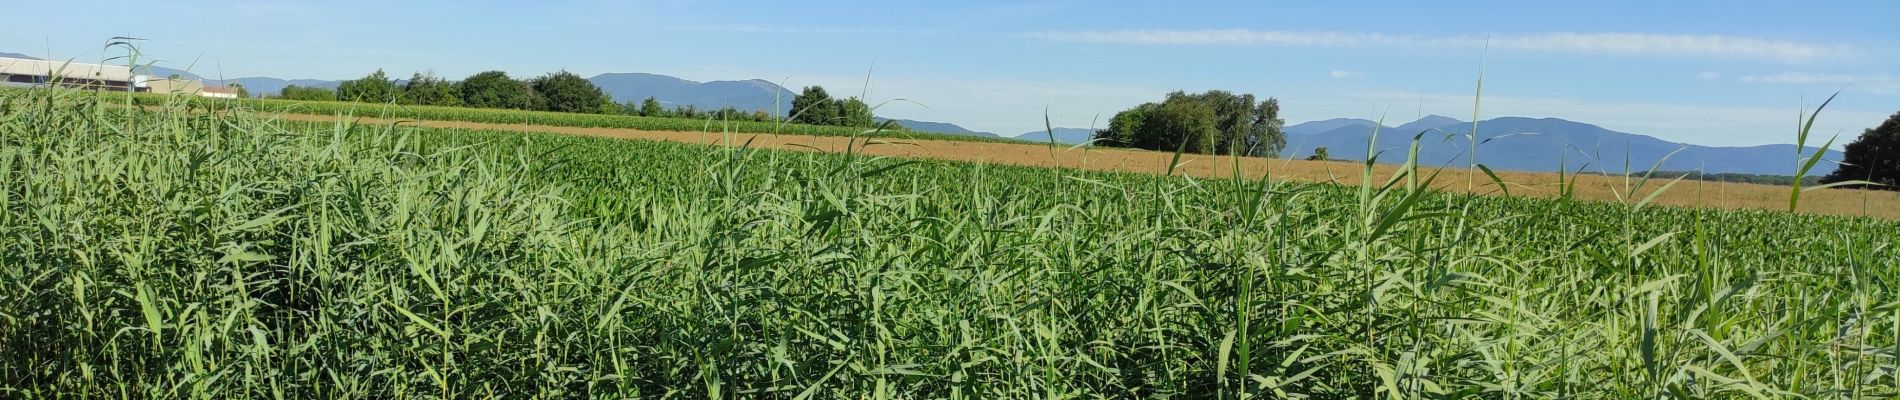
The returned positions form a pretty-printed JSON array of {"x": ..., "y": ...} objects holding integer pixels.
[
  {"x": 1319, "y": 154},
  {"x": 853, "y": 112},
  {"x": 566, "y": 92},
  {"x": 294, "y": 92},
  {"x": 241, "y": 92},
  {"x": 651, "y": 108},
  {"x": 1165, "y": 126},
  {"x": 429, "y": 90},
  {"x": 1873, "y": 157},
  {"x": 814, "y": 106},
  {"x": 375, "y": 88},
  {"x": 1238, "y": 124},
  {"x": 494, "y": 89}
]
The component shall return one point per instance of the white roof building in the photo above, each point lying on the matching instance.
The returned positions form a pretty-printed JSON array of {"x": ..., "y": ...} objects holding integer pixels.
[{"x": 24, "y": 72}]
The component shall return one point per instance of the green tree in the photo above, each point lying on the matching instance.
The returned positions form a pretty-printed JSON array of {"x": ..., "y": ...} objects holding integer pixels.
[
  {"x": 294, "y": 92},
  {"x": 1873, "y": 157},
  {"x": 1124, "y": 126},
  {"x": 814, "y": 106},
  {"x": 1186, "y": 124},
  {"x": 428, "y": 90},
  {"x": 651, "y": 108},
  {"x": 566, "y": 92},
  {"x": 854, "y": 112},
  {"x": 241, "y": 92},
  {"x": 494, "y": 89},
  {"x": 374, "y": 88}
]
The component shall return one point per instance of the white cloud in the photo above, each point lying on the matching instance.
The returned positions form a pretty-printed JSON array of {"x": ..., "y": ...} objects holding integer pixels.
[
  {"x": 804, "y": 30},
  {"x": 1343, "y": 74},
  {"x": 1875, "y": 83},
  {"x": 1708, "y": 75},
  {"x": 1564, "y": 42}
]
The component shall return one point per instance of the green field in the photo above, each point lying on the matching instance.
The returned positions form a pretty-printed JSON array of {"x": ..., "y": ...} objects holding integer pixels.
[
  {"x": 504, "y": 116},
  {"x": 163, "y": 253}
]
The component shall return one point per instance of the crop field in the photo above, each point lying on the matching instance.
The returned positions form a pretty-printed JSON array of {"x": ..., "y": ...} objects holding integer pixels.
[
  {"x": 1589, "y": 187},
  {"x": 505, "y": 116},
  {"x": 158, "y": 253}
]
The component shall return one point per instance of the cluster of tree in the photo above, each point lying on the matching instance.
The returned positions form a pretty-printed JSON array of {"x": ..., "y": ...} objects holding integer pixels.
[
  {"x": 294, "y": 92},
  {"x": 1873, "y": 157},
  {"x": 566, "y": 92},
  {"x": 1214, "y": 122},
  {"x": 558, "y": 91},
  {"x": 814, "y": 106}
]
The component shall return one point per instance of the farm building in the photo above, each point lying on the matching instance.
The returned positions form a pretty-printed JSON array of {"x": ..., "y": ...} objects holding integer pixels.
[{"x": 19, "y": 72}]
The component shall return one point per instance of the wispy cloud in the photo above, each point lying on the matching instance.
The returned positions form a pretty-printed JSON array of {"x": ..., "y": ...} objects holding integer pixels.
[
  {"x": 1563, "y": 42},
  {"x": 1708, "y": 75},
  {"x": 804, "y": 30},
  {"x": 1343, "y": 74},
  {"x": 1875, "y": 83}
]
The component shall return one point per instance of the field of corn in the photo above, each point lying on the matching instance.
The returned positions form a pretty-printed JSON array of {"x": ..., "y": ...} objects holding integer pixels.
[
  {"x": 506, "y": 116},
  {"x": 159, "y": 253}
]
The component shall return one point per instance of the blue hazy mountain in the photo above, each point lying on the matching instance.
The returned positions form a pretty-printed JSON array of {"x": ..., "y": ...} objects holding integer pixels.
[
  {"x": 935, "y": 127},
  {"x": 1312, "y": 127},
  {"x": 746, "y": 95},
  {"x": 1539, "y": 144},
  {"x": 1063, "y": 135}
]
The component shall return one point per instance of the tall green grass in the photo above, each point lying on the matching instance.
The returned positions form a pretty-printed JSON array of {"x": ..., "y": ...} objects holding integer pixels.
[{"x": 164, "y": 253}]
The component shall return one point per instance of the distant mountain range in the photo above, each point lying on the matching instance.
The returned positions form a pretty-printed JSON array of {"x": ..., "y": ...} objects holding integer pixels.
[
  {"x": 747, "y": 95},
  {"x": 1537, "y": 144}
]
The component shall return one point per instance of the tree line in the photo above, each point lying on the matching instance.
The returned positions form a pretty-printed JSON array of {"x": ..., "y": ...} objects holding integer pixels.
[
  {"x": 560, "y": 91},
  {"x": 566, "y": 92}
]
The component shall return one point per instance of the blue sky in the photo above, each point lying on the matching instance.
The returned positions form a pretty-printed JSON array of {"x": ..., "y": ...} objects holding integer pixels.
[{"x": 1704, "y": 72}]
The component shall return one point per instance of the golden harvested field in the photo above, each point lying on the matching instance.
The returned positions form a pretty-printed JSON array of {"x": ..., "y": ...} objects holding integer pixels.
[{"x": 1687, "y": 193}]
